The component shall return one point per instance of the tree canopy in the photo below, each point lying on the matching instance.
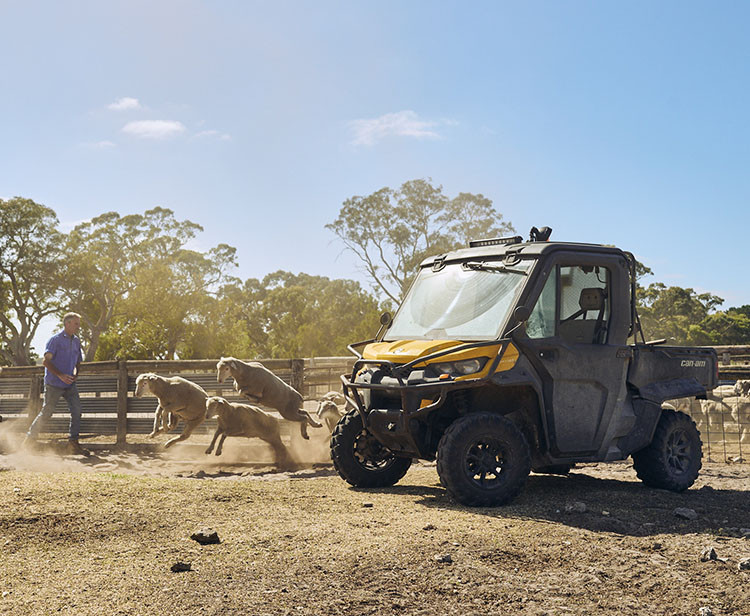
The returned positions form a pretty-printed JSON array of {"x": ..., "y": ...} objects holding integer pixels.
[
  {"x": 392, "y": 231},
  {"x": 143, "y": 293},
  {"x": 30, "y": 262}
]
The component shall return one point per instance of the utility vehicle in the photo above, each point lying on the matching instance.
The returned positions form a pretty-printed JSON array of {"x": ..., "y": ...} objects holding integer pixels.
[{"x": 512, "y": 356}]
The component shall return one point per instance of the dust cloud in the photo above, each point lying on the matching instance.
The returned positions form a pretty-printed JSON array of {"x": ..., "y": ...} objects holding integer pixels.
[{"x": 240, "y": 456}]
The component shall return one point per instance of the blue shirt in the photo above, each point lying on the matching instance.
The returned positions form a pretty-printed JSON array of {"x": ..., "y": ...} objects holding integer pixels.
[{"x": 66, "y": 353}]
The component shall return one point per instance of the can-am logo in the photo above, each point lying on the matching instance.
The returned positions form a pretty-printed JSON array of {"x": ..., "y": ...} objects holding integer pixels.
[{"x": 693, "y": 363}]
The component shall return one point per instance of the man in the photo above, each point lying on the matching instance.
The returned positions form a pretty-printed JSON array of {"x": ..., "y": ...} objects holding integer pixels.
[{"x": 62, "y": 357}]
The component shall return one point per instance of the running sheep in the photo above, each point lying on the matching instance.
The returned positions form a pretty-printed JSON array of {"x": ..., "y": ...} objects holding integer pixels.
[
  {"x": 259, "y": 385},
  {"x": 236, "y": 419},
  {"x": 178, "y": 399}
]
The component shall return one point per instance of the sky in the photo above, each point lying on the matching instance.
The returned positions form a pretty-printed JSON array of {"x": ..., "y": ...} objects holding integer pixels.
[{"x": 617, "y": 123}]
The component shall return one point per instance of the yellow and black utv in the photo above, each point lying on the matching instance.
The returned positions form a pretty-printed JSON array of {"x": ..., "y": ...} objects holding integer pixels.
[{"x": 511, "y": 356}]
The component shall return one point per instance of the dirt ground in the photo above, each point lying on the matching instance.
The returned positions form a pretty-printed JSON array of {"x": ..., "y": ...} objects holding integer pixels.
[{"x": 100, "y": 534}]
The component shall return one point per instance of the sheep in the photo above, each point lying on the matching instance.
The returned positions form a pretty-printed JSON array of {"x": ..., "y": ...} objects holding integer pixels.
[
  {"x": 330, "y": 408},
  {"x": 722, "y": 391},
  {"x": 178, "y": 399},
  {"x": 714, "y": 413},
  {"x": 236, "y": 419},
  {"x": 329, "y": 413},
  {"x": 690, "y": 406},
  {"x": 742, "y": 387},
  {"x": 258, "y": 384},
  {"x": 336, "y": 397},
  {"x": 740, "y": 410}
]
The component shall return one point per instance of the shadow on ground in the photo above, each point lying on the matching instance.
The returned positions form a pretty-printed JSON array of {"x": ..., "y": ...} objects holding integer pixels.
[{"x": 621, "y": 505}]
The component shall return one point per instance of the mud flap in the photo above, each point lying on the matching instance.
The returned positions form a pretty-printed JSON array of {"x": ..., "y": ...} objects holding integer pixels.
[{"x": 647, "y": 416}]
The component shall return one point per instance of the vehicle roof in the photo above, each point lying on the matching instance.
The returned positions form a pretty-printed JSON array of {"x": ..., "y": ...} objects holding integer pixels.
[{"x": 523, "y": 249}]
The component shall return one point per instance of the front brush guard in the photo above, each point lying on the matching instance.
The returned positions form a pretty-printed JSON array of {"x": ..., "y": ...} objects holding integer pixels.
[{"x": 409, "y": 398}]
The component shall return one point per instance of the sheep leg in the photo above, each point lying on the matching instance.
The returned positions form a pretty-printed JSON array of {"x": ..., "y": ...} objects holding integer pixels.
[
  {"x": 282, "y": 456},
  {"x": 189, "y": 427},
  {"x": 173, "y": 419},
  {"x": 213, "y": 440},
  {"x": 245, "y": 391},
  {"x": 309, "y": 419},
  {"x": 158, "y": 417},
  {"x": 220, "y": 448}
]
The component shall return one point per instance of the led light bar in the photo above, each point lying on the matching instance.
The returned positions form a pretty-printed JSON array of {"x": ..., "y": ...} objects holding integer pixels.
[{"x": 496, "y": 241}]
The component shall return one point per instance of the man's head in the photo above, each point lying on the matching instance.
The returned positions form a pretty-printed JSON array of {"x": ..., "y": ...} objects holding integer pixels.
[{"x": 72, "y": 323}]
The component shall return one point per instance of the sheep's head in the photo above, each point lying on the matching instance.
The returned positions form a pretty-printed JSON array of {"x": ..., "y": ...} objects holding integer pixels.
[
  {"x": 214, "y": 404},
  {"x": 142, "y": 384},
  {"x": 742, "y": 387},
  {"x": 327, "y": 406},
  {"x": 224, "y": 368},
  {"x": 335, "y": 397}
]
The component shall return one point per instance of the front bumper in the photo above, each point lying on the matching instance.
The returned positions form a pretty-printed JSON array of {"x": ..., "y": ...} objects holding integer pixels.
[{"x": 403, "y": 429}]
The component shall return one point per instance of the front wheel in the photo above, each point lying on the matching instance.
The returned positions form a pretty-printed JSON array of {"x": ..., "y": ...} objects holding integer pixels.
[
  {"x": 483, "y": 460},
  {"x": 360, "y": 458},
  {"x": 673, "y": 458}
]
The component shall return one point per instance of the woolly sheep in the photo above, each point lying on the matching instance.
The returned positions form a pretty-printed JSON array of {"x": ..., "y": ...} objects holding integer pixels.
[
  {"x": 691, "y": 407},
  {"x": 336, "y": 397},
  {"x": 258, "y": 384},
  {"x": 235, "y": 419},
  {"x": 329, "y": 413},
  {"x": 722, "y": 391},
  {"x": 178, "y": 399},
  {"x": 739, "y": 407},
  {"x": 742, "y": 387},
  {"x": 715, "y": 414}
]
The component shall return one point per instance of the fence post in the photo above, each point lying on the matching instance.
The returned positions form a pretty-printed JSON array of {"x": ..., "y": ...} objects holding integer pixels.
[
  {"x": 122, "y": 402},
  {"x": 297, "y": 379}
]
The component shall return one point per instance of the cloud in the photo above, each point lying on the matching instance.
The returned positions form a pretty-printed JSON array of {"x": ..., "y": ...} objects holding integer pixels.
[
  {"x": 212, "y": 134},
  {"x": 401, "y": 124},
  {"x": 154, "y": 129},
  {"x": 124, "y": 104}
]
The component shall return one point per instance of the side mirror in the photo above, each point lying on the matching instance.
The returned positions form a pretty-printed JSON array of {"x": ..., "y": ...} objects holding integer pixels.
[
  {"x": 386, "y": 319},
  {"x": 521, "y": 314}
]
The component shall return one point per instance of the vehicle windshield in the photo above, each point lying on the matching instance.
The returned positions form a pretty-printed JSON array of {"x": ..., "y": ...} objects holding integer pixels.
[{"x": 459, "y": 302}]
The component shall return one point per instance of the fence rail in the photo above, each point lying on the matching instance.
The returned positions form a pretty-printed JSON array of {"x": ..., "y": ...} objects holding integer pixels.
[
  {"x": 110, "y": 407},
  {"x": 108, "y": 403}
]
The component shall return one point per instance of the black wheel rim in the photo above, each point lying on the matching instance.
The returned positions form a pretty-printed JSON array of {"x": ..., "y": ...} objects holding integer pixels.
[
  {"x": 370, "y": 454},
  {"x": 484, "y": 463},
  {"x": 678, "y": 452}
]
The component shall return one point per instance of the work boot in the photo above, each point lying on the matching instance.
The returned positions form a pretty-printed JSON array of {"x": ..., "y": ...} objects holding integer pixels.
[{"x": 75, "y": 448}]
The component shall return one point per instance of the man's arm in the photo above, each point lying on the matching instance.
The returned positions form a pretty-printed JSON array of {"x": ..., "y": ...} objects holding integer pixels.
[{"x": 65, "y": 378}]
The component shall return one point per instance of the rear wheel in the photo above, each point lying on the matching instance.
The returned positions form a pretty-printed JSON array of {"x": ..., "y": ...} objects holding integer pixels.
[
  {"x": 673, "y": 458},
  {"x": 483, "y": 460},
  {"x": 360, "y": 458}
]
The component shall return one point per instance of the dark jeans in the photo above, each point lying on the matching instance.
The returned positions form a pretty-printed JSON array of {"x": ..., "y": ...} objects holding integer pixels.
[{"x": 51, "y": 395}]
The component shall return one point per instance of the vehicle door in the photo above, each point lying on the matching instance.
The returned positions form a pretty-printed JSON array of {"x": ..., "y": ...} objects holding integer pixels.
[{"x": 576, "y": 338}]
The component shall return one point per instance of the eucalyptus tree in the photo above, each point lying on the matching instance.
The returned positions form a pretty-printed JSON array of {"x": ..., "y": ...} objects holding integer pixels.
[
  {"x": 131, "y": 273},
  {"x": 30, "y": 262},
  {"x": 392, "y": 231}
]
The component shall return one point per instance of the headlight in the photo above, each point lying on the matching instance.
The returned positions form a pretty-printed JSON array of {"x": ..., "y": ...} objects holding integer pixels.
[{"x": 460, "y": 368}]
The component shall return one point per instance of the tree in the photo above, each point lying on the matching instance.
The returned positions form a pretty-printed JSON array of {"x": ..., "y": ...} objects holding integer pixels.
[
  {"x": 392, "y": 231},
  {"x": 285, "y": 315},
  {"x": 123, "y": 266},
  {"x": 30, "y": 246},
  {"x": 675, "y": 313}
]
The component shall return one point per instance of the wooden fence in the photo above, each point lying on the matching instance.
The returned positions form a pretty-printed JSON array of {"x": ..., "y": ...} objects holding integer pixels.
[{"x": 110, "y": 407}]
